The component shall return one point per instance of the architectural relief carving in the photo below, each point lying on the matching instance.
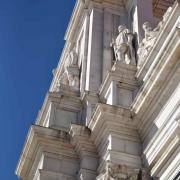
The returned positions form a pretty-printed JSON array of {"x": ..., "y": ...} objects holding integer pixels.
[
  {"x": 120, "y": 172},
  {"x": 70, "y": 76},
  {"x": 123, "y": 47}
]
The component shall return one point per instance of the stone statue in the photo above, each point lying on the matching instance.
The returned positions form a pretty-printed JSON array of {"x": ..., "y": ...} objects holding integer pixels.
[
  {"x": 70, "y": 76},
  {"x": 123, "y": 48},
  {"x": 72, "y": 59},
  {"x": 120, "y": 172},
  {"x": 115, "y": 172},
  {"x": 150, "y": 37},
  {"x": 147, "y": 43}
]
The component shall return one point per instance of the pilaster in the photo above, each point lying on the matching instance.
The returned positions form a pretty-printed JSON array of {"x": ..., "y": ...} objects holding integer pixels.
[
  {"x": 60, "y": 109},
  {"x": 115, "y": 135},
  {"x": 120, "y": 85},
  {"x": 95, "y": 49},
  {"x": 47, "y": 154},
  {"x": 80, "y": 138}
]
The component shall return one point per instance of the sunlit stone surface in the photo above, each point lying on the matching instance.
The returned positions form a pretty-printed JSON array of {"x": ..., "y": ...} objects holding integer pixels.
[{"x": 113, "y": 109}]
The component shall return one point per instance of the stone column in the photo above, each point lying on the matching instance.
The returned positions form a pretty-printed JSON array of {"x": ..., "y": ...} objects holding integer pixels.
[
  {"x": 95, "y": 50},
  {"x": 107, "y": 38},
  {"x": 80, "y": 139},
  {"x": 112, "y": 94},
  {"x": 84, "y": 60}
]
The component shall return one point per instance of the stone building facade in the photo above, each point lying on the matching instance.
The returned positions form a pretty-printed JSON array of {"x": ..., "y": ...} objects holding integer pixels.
[{"x": 113, "y": 109}]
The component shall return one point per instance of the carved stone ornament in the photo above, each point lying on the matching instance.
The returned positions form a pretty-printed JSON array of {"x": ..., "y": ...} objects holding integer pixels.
[
  {"x": 150, "y": 37},
  {"x": 123, "y": 47},
  {"x": 119, "y": 172},
  {"x": 122, "y": 172},
  {"x": 70, "y": 76}
]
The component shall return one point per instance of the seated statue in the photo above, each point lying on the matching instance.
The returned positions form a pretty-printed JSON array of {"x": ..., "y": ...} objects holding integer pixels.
[
  {"x": 122, "y": 172},
  {"x": 123, "y": 47},
  {"x": 72, "y": 59},
  {"x": 115, "y": 172},
  {"x": 70, "y": 76},
  {"x": 147, "y": 43}
]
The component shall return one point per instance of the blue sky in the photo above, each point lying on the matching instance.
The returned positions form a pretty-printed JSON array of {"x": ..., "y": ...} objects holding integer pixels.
[{"x": 31, "y": 41}]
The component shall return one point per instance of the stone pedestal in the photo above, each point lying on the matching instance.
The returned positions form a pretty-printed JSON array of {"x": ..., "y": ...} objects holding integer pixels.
[
  {"x": 115, "y": 136},
  {"x": 48, "y": 155},
  {"x": 120, "y": 85},
  {"x": 61, "y": 109}
]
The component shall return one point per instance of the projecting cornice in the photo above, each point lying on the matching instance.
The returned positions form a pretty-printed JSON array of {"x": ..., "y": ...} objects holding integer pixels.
[
  {"x": 81, "y": 6},
  {"x": 38, "y": 138}
]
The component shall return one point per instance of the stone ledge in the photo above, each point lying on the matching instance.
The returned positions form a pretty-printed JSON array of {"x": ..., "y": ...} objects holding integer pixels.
[
  {"x": 38, "y": 138},
  {"x": 62, "y": 99},
  {"x": 56, "y": 175}
]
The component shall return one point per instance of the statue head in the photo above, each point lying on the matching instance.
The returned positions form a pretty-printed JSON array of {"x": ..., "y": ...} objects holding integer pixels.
[
  {"x": 121, "y": 28},
  {"x": 147, "y": 26}
]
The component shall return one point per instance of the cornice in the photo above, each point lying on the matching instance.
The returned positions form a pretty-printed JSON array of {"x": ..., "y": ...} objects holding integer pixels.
[
  {"x": 39, "y": 137},
  {"x": 64, "y": 97},
  {"x": 121, "y": 73},
  {"x": 56, "y": 175},
  {"x": 116, "y": 111},
  {"x": 111, "y": 118}
]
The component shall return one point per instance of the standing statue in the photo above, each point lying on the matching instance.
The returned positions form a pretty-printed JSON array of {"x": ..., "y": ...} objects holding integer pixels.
[
  {"x": 72, "y": 59},
  {"x": 123, "y": 47},
  {"x": 70, "y": 76},
  {"x": 115, "y": 172},
  {"x": 147, "y": 43}
]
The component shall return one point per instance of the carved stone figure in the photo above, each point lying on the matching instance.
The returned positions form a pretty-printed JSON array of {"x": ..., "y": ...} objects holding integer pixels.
[
  {"x": 72, "y": 59},
  {"x": 147, "y": 43},
  {"x": 123, "y": 47},
  {"x": 133, "y": 177},
  {"x": 150, "y": 37},
  {"x": 119, "y": 172},
  {"x": 145, "y": 175},
  {"x": 122, "y": 172},
  {"x": 70, "y": 76},
  {"x": 115, "y": 172}
]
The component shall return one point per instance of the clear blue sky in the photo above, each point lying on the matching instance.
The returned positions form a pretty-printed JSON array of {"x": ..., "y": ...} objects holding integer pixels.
[{"x": 31, "y": 41}]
